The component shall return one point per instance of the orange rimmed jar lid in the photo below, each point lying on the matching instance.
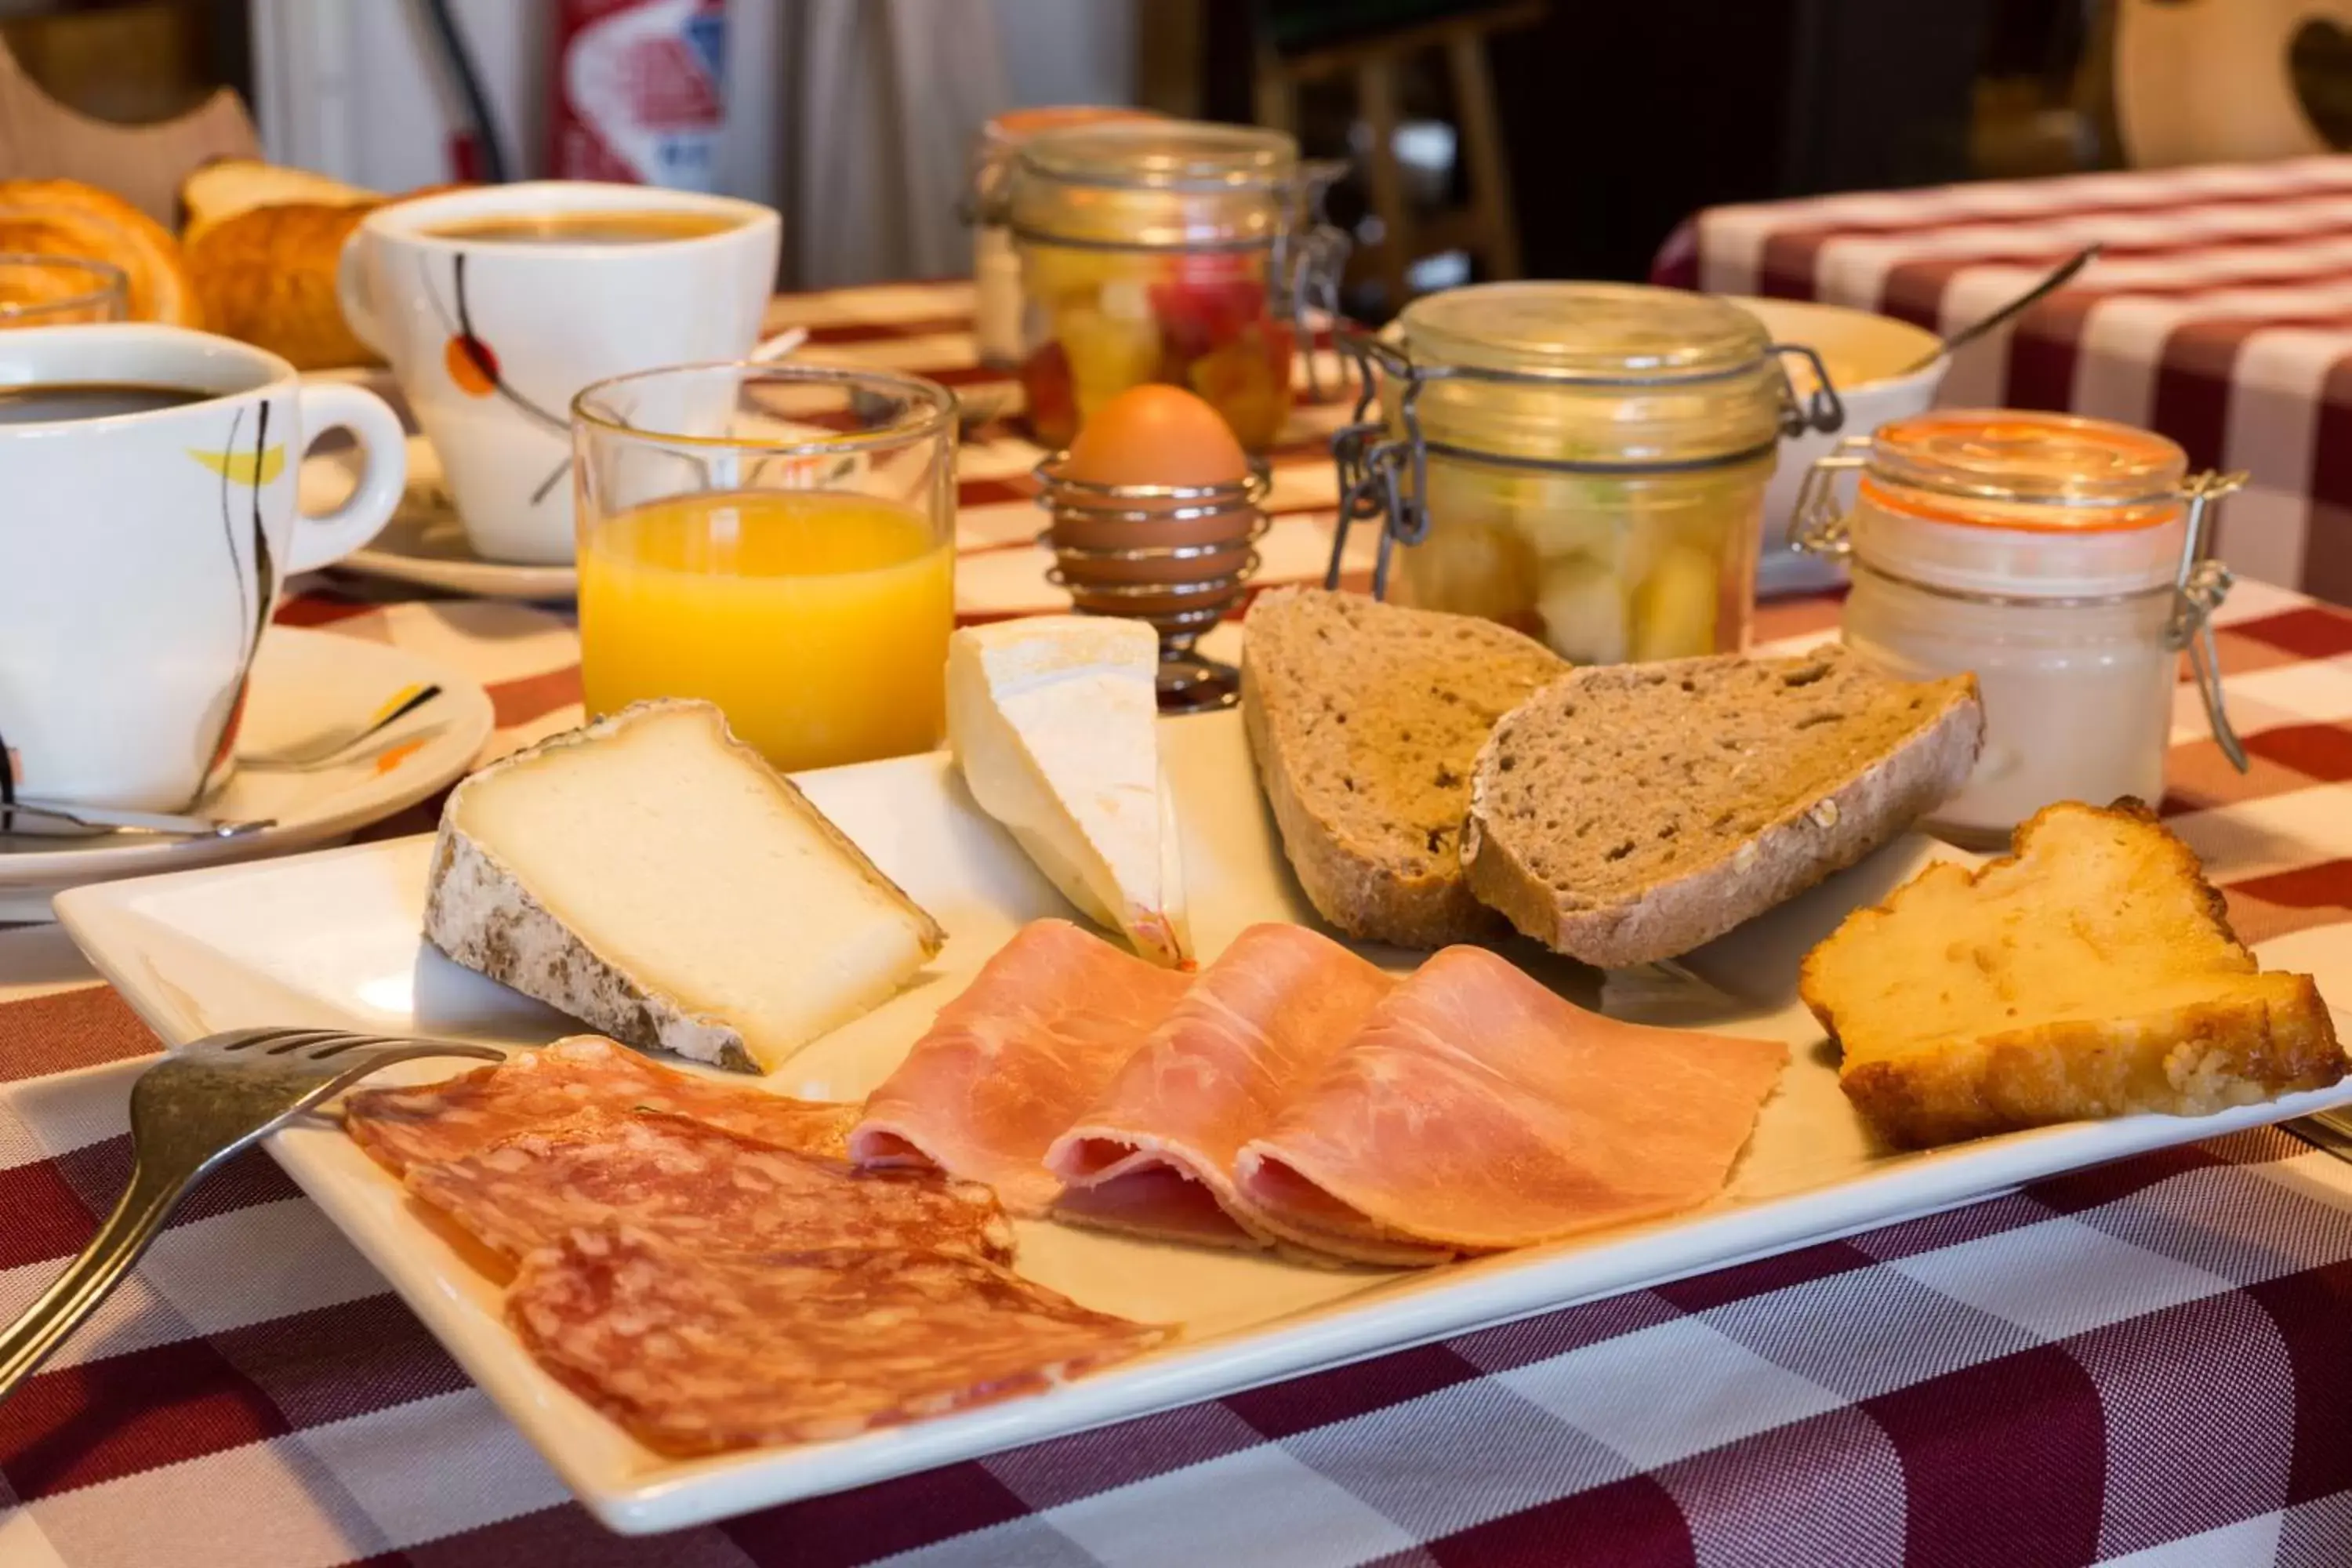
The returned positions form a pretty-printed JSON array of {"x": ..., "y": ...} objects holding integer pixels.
[
  {"x": 2007, "y": 468},
  {"x": 991, "y": 150},
  {"x": 2021, "y": 504}
]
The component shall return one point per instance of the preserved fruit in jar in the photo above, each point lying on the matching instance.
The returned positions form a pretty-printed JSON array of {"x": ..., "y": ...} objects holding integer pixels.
[
  {"x": 1594, "y": 460},
  {"x": 1156, "y": 252}
]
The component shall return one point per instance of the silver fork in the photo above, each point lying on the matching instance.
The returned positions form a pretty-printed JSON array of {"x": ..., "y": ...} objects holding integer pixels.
[{"x": 189, "y": 1112}]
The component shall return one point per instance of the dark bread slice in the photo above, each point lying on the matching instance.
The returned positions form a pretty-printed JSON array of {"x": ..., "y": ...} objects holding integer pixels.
[
  {"x": 1365, "y": 719},
  {"x": 1629, "y": 813}
]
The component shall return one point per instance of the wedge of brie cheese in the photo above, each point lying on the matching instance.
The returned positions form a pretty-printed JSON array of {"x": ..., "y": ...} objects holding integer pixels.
[
  {"x": 1055, "y": 722},
  {"x": 654, "y": 876}
]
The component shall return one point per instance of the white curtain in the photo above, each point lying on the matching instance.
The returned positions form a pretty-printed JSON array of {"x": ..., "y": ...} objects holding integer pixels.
[{"x": 875, "y": 106}]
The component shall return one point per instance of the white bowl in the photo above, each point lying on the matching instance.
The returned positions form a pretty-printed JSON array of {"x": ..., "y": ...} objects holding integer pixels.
[{"x": 1865, "y": 354}]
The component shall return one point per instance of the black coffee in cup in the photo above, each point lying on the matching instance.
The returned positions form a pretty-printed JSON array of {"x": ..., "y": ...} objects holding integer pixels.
[{"x": 49, "y": 402}]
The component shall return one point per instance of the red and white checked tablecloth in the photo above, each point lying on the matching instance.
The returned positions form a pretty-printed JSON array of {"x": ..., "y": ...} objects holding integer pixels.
[
  {"x": 2219, "y": 313},
  {"x": 2149, "y": 1364}
]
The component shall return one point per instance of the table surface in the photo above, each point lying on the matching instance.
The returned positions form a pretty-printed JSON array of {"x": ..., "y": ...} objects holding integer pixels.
[
  {"x": 2149, "y": 1362},
  {"x": 2220, "y": 312}
]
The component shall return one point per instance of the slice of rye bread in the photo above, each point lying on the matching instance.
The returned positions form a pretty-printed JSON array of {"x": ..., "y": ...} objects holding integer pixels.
[
  {"x": 1365, "y": 719},
  {"x": 1629, "y": 813}
]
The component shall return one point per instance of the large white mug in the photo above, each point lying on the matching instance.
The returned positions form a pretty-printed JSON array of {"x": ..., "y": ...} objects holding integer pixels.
[
  {"x": 497, "y": 305},
  {"x": 148, "y": 522}
]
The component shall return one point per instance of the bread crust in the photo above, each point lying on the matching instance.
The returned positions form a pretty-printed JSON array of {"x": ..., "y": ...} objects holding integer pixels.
[
  {"x": 1789, "y": 854},
  {"x": 2185, "y": 1061},
  {"x": 1359, "y": 896},
  {"x": 1358, "y": 892},
  {"x": 2273, "y": 1036}
]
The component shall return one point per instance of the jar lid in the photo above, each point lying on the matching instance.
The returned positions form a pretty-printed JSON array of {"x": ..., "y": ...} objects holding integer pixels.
[
  {"x": 1164, "y": 154},
  {"x": 1156, "y": 185},
  {"x": 2020, "y": 504},
  {"x": 1610, "y": 377},
  {"x": 1015, "y": 125},
  {"x": 2001, "y": 468},
  {"x": 1584, "y": 332}
]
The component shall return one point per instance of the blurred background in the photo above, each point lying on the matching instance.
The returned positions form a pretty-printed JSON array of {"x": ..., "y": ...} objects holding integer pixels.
[{"x": 1546, "y": 137}]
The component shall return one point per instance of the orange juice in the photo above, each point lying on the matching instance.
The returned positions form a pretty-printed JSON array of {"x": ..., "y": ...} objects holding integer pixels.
[{"x": 817, "y": 619}]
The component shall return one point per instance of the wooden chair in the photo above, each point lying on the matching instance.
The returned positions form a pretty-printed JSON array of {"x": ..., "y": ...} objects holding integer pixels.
[
  {"x": 42, "y": 139},
  {"x": 2201, "y": 82},
  {"x": 1484, "y": 227}
]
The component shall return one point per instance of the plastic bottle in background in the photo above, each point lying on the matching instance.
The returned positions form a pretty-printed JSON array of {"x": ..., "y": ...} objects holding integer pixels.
[{"x": 639, "y": 94}]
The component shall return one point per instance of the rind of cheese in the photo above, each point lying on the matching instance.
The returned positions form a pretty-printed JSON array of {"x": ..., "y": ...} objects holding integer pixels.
[
  {"x": 1054, "y": 722},
  {"x": 709, "y": 911}
]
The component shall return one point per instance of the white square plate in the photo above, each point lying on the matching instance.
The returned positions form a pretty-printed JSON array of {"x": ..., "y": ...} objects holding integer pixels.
[{"x": 330, "y": 940}]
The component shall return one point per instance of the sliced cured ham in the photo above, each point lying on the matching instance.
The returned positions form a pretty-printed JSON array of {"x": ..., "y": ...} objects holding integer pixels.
[
  {"x": 444, "y": 1120},
  {"x": 1009, "y": 1064},
  {"x": 1476, "y": 1110},
  {"x": 1155, "y": 1153},
  {"x": 700, "y": 1186},
  {"x": 694, "y": 1352}
]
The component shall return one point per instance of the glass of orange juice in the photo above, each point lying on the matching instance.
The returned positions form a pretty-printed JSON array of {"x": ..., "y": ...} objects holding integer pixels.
[{"x": 778, "y": 540}]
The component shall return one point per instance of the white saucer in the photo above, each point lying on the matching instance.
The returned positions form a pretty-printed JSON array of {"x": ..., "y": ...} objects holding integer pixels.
[
  {"x": 424, "y": 543},
  {"x": 304, "y": 683}
]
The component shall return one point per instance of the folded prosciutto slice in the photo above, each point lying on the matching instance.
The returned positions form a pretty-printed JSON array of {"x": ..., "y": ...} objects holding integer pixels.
[
  {"x": 1155, "y": 1153},
  {"x": 1009, "y": 1063},
  {"x": 1476, "y": 1111}
]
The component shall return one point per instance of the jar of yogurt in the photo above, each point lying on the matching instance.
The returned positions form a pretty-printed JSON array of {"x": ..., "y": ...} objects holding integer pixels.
[{"x": 2061, "y": 560}]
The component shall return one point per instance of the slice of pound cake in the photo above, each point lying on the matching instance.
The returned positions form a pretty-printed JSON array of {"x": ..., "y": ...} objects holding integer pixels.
[{"x": 2089, "y": 972}]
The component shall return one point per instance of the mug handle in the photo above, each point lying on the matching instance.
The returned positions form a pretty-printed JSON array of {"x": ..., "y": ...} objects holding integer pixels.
[
  {"x": 326, "y": 537},
  {"x": 352, "y": 293}
]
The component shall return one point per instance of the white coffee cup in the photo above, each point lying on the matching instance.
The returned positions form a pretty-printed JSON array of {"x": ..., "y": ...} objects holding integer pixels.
[
  {"x": 142, "y": 553},
  {"x": 554, "y": 315}
]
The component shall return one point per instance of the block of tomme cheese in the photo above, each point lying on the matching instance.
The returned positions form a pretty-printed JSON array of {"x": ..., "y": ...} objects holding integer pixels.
[
  {"x": 653, "y": 876},
  {"x": 1053, "y": 720}
]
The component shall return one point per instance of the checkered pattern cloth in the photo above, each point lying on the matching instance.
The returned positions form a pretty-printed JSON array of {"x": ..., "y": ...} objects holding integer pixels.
[
  {"x": 2147, "y": 1363},
  {"x": 2219, "y": 313}
]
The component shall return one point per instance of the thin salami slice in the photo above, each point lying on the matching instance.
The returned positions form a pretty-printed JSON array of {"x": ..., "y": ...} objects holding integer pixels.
[
  {"x": 697, "y": 1352},
  {"x": 698, "y": 1185},
  {"x": 435, "y": 1122}
]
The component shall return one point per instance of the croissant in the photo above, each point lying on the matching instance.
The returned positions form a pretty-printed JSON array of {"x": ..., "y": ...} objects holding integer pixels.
[{"x": 66, "y": 218}]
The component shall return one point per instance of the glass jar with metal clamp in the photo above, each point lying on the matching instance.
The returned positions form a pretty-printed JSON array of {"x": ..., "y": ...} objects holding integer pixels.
[
  {"x": 1169, "y": 251},
  {"x": 2060, "y": 559},
  {"x": 1583, "y": 461},
  {"x": 1177, "y": 556},
  {"x": 996, "y": 268}
]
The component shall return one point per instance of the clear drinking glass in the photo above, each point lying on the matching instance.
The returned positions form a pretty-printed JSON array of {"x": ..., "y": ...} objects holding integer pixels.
[
  {"x": 778, "y": 540},
  {"x": 60, "y": 291}
]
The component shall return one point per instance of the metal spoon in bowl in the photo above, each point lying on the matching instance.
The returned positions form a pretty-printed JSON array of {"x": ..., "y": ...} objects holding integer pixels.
[{"x": 2058, "y": 279}]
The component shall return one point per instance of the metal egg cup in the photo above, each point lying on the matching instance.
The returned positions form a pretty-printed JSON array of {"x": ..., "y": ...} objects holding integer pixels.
[{"x": 1188, "y": 606}]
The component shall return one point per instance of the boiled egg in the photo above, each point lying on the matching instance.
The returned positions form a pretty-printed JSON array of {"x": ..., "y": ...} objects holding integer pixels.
[
  {"x": 1158, "y": 436},
  {"x": 1155, "y": 435}
]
